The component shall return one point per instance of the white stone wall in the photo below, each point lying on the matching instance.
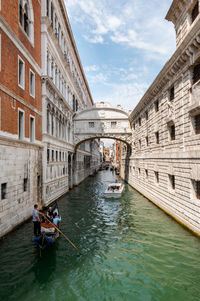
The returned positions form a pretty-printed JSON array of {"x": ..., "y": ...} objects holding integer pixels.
[
  {"x": 151, "y": 167},
  {"x": 17, "y": 162}
]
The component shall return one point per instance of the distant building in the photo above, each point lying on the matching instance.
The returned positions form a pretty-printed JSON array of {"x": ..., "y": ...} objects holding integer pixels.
[{"x": 107, "y": 154}]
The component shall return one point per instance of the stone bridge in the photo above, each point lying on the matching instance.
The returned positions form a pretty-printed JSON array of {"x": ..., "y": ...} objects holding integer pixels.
[{"x": 102, "y": 121}]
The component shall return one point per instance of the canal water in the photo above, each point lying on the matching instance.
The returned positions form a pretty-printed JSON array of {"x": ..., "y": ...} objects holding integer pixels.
[{"x": 131, "y": 250}]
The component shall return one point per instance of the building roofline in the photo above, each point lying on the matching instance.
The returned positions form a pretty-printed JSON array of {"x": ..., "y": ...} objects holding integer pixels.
[{"x": 67, "y": 23}]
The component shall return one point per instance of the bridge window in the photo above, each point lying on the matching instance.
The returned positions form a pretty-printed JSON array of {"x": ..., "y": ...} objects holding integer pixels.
[
  {"x": 91, "y": 124},
  {"x": 113, "y": 124}
]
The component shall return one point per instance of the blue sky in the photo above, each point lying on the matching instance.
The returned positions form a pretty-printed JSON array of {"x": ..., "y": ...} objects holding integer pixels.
[{"x": 123, "y": 44}]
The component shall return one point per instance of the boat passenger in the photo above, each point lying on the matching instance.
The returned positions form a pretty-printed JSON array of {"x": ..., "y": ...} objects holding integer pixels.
[
  {"x": 36, "y": 221},
  {"x": 50, "y": 214},
  {"x": 56, "y": 219}
]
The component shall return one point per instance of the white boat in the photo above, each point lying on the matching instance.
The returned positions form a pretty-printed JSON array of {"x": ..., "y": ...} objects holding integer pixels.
[{"x": 114, "y": 190}]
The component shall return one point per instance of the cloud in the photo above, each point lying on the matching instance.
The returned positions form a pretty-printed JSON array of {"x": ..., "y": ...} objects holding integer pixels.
[{"x": 135, "y": 23}]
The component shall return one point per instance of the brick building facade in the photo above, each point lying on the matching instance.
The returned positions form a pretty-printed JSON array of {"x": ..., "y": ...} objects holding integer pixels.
[{"x": 20, "y": 111}]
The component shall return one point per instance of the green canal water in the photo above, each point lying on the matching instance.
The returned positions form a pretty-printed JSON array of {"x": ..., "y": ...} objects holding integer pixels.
[{"x": 130, "y": 249}]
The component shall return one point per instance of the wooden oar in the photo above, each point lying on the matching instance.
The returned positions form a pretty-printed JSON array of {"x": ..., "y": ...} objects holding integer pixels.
[{"x": 73, "y": 245}]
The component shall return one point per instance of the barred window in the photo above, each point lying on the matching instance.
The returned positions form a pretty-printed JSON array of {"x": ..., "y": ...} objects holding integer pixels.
[
  {"x": 91, "y": 124},
  {"x": 147, "y": 140},
  {"x": 172, "y": 132},
  {"x": 171, "y": 93},
  {"x": 156, "y": 104},
  {"x": 172, "y": 181},
  {"x": 197, "y": 184},
  {"x": 195, "y": 11},
  {"x": 3, "y": 191},
  {"x": 157, "y": 137},
  {"x": 196, "y": 73},
  {"x": 197, "y": 124},
  {"x": 156, "y": 177},
  {"x": 113, "y": 124}
]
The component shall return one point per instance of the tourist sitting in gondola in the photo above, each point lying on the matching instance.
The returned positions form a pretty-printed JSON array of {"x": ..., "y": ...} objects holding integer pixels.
[
  {"x": 56, "y": 219},
  {"x": 50, "y": 214}
]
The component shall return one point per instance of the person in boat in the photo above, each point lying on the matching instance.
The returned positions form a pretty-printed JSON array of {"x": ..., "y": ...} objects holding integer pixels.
[
  {"x": 50, "y": 214},
  {"x": 36, "y": 221},
  {"x": 56, "y": 219}
]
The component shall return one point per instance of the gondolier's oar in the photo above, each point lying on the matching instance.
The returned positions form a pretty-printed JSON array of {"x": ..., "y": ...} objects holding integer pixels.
[{"x": 73, "y": 245}]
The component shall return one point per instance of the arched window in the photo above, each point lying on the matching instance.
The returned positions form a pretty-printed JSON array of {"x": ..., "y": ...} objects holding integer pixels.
[{"x": 26, "y": 18}]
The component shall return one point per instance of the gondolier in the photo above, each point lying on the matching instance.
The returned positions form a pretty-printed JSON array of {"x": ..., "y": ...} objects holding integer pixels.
[{"x": 36, "y": 221}]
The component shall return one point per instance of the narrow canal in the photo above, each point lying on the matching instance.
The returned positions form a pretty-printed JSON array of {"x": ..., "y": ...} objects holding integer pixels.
[{"x": 131, "y": 251}]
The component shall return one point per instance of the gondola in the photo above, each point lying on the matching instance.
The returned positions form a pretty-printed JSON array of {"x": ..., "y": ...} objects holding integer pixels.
[{"x": 48, "y": 233}]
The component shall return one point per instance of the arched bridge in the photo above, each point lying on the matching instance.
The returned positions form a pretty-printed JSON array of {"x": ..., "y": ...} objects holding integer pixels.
[{"x": 102, "y": 121}]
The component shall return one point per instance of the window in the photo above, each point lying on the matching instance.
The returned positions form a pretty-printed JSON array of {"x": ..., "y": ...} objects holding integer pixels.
[
  {"x": 21, "y": 73},
  {"x": 56, "y": 155},
  {"x": 139, "y": 121},
  {"x": 3, "y": 191},
  {"x": 147, "y": 115},
  {"x": 156, "y": 104},
  {"x": 113, "y": 124},
  {"x": 0, "y": 46},
  {"x": 147, "y": 140},
  {"x": 91, "y": 124},
  {"x": 197, "y": 124},
  {"x": 74, "y": 104},
  {"x": 196, "y": 73},
  {"x": 52, "y": 158},
  {"x": 134, "y": 125},
  {"x": 157, "y": 137},
  {"x": 197, "y": 189},
  {"x": 32, "y": 83},
  {"x": 26, "y": 18},
  {"x": 21, "y": 124},
  {"x": 47, "y": 8},
  {"x": 25, "y": 184},
  {"x": 172, "y": 181},
  {"x": 47, "y": 155},
  {"x": 172, "y": 132},
  {"x": 195, "y": 11},
  {"x": 171, "y": 96},
  {"x": 32, "y": 129},
  {"x": 156, "y": 177},
  {"x": 139, "y": 171},
  {"x": 140, "y": 144},
  {"x": 146, "y": 173}
]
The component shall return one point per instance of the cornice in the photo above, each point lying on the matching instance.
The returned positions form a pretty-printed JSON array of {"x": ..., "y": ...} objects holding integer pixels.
[
  {"x": 183, "y": 53},
  {"x": 46, "y": 79},
  {"x": 67, "y": 23}
]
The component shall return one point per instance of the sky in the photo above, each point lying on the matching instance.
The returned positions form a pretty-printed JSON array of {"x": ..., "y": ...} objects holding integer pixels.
[{"x": 122, "y": 44}]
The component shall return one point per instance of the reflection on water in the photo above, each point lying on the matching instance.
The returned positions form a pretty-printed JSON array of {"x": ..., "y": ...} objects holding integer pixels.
[{"x": 131, "y": 251}]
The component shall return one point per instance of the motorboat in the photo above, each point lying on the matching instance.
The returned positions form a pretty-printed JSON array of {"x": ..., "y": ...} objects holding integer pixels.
[{"x": 114, "y": 190}]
